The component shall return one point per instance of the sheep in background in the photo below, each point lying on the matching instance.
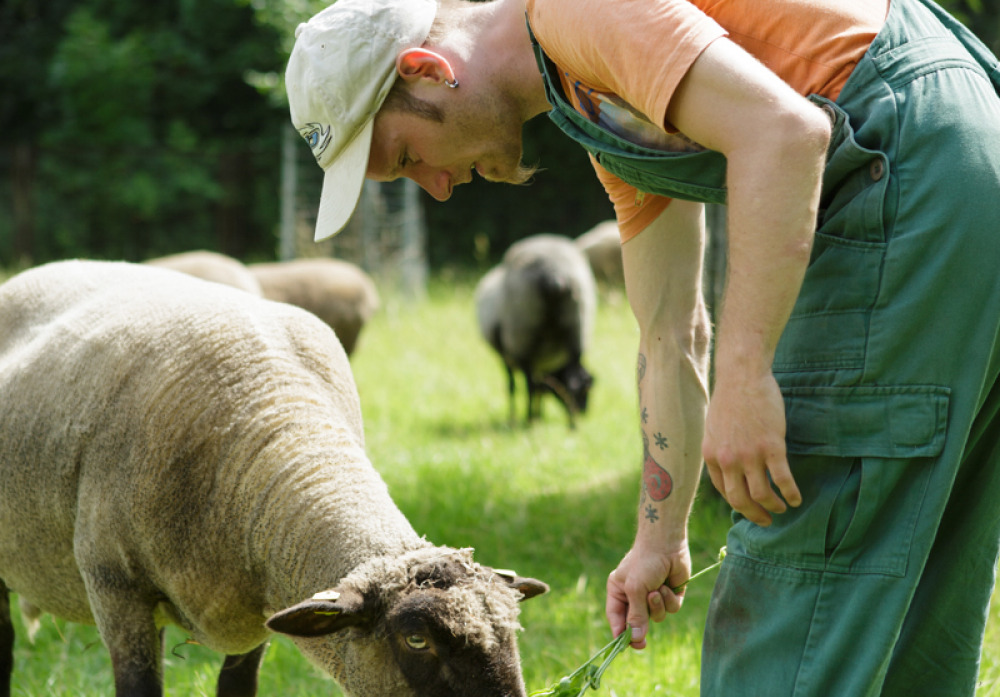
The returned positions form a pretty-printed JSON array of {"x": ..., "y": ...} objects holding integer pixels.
[
  {"x": 536, "y": 309},
  {"x": 177, "y": 451},
  {"x": 211, "y": 266},
  {"x": 603, "y": 246},
  {"x": 336, "y": 291}
]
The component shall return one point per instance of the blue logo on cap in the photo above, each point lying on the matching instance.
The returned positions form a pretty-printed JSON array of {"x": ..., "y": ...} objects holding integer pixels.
[{"x": 317, "y": 136}]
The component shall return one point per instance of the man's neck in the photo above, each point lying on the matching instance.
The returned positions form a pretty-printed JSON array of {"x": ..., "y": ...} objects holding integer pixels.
[{"x": 499, "y": 50}]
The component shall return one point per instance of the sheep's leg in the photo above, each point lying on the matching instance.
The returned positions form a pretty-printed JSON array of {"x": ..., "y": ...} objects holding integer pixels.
[
  {"x": 510, "y": 391},
  {"x": 138, "y": 673},
  {"x": 533, "y": 395},
  {"x": 238, "y": 677},
  {"x": 125, "y": 620},
  {"x": 6, "y": 642}
]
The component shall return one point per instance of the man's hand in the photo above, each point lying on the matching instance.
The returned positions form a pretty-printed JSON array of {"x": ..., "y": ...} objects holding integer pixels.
[
  {"x": 639, "y": 590},
  {"x": 744, "y": 447}
]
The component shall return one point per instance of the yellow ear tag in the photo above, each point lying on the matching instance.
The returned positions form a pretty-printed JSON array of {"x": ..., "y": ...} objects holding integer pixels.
[
  {"x": 506, "y": 573},
  {"x": 326, "y": 595}
]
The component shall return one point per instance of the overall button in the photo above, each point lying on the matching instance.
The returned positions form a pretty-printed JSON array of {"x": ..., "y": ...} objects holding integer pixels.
[{"x": 876, "y": 169}]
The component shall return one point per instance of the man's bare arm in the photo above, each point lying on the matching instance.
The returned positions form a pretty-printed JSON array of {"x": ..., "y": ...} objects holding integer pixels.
[
  {"x": 775, "y": 144},
  {"x": 663, "y": 281}
]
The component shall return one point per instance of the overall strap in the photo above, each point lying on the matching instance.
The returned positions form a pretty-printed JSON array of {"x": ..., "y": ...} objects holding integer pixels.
[{"x": 697, "y": 176}]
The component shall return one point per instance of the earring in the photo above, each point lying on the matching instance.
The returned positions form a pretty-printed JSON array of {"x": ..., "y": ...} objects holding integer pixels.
[{"x": 453, "y": 83}]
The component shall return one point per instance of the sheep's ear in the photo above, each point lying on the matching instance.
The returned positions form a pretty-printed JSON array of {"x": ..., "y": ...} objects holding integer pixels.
[
  {"x": 527, "y": 587},
  {"x": 324, "y": 613}
]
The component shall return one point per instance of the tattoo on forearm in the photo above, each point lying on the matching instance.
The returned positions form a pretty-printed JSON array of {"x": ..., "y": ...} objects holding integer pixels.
[
  {"x": 656, "y": 481},
  {"x": 640, "y": 372}
]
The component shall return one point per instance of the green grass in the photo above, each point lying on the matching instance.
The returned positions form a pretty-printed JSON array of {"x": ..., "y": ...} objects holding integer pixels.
[{"x": 546, "y": 501}]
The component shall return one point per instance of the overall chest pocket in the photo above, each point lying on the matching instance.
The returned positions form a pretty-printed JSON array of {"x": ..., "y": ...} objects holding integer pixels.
[{"x": 829, "y": 323}]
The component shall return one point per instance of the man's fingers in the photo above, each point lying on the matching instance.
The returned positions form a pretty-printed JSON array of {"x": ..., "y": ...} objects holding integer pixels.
[
  {"x": 657, "y": 606},
  {"x": 627, "y": 609},
  {"x": 615, "y": 611},
  {"x": 762, "y": 492},
  {"x": 755, "y": 513},
  {"x": 662, "y": 602},
  {"x": 718, "y": 481},
  {"x": 782, "y": 477},
  {"x": 672, "y": 600},
  {"x": 739, "y": 497},
  {"x": 638, "y": 637},
  {"x": 752, "y": 493}
]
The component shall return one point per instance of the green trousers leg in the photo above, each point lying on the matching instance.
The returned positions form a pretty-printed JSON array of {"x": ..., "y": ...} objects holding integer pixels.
[{"x": 879, "y": 583}]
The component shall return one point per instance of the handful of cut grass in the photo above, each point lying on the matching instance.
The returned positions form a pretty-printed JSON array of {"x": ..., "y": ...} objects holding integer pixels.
[{"x": 588, "y": 676}]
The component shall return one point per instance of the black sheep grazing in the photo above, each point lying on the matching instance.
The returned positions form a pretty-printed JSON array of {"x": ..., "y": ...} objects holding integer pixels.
[{"x": 536, "y": 309}]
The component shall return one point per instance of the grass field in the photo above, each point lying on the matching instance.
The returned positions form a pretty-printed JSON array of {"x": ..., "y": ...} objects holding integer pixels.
[{"x": 547, "y": 501}]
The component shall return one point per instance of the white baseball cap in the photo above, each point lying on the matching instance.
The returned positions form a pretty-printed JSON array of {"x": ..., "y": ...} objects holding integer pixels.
[{"x": 340, "y": 71}]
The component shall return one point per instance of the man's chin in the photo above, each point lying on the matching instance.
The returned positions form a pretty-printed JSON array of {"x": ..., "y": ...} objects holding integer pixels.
[{"x": 519, "y": 175}]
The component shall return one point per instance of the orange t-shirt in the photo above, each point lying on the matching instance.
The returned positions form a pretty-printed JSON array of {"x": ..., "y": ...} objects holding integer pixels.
[{"x": 627, "y": 57}]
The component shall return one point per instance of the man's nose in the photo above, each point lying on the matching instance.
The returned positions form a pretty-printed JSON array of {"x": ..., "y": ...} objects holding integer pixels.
[
  {"x": 431, "y": 182},
  {"x": 440, "y": 182}
]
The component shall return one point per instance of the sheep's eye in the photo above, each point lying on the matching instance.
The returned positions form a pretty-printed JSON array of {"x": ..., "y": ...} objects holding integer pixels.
[{"x": 417, "y": 642}]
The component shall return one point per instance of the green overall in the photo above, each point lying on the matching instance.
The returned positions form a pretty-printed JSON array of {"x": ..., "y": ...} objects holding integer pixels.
[{"x": 880, "y": 582}]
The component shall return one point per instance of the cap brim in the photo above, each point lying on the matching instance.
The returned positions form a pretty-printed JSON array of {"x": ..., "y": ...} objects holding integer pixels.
[{"x": 342, "y": 185}]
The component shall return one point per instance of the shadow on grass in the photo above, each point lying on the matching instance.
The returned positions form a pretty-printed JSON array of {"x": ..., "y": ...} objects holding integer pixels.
[{"x": 452, "y": 428}]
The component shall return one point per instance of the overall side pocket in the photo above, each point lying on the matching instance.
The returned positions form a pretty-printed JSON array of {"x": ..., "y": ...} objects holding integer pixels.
[{"x": 862, "y": 458}]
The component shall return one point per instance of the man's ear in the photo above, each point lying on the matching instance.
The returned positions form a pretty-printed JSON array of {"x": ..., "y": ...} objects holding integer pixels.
[{"x": 416, "y": 63}]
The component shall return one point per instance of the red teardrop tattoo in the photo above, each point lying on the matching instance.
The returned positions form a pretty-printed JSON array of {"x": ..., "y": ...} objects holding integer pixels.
[{"x": 657, "y": 480}]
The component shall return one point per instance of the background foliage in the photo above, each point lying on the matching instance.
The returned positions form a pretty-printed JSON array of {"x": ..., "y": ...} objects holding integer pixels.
[{"x": 130, "y": 130}]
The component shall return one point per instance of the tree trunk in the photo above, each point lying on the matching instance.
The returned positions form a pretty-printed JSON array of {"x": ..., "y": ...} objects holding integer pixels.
[{"x": 231, "y": 227}]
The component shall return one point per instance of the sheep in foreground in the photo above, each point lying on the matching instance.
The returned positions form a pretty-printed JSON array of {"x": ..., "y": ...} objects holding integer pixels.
[
  {"x": 176, "y": 451},
  {"x": 536, "y": 309},
  {"x": 336, "y": 291},
  {"x": 211, "y": 266}
]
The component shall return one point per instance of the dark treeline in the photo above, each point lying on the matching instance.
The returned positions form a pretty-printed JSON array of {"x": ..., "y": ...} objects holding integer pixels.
[{"x": 130, "y": 130}]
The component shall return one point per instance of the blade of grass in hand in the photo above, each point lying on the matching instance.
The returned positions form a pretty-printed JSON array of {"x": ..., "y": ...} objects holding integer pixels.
[{"x": 588, "y": 676}]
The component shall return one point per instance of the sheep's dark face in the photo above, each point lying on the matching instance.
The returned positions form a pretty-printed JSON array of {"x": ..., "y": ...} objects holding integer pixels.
[
  {"x": 438, "y": 662},
  {"x": 573, "y": 383},
  {"x": 436, "y": 627}
]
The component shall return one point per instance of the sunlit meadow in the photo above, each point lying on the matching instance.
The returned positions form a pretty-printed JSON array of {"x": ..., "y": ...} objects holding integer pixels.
[{"x": 547, "y": 501}]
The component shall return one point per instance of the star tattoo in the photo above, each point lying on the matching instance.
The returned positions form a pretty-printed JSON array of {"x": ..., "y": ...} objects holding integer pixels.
[
  {"x": 651, "y": 515},
  {"x": 645, "y": 415},
  {"x": 661, "y": 441}
]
